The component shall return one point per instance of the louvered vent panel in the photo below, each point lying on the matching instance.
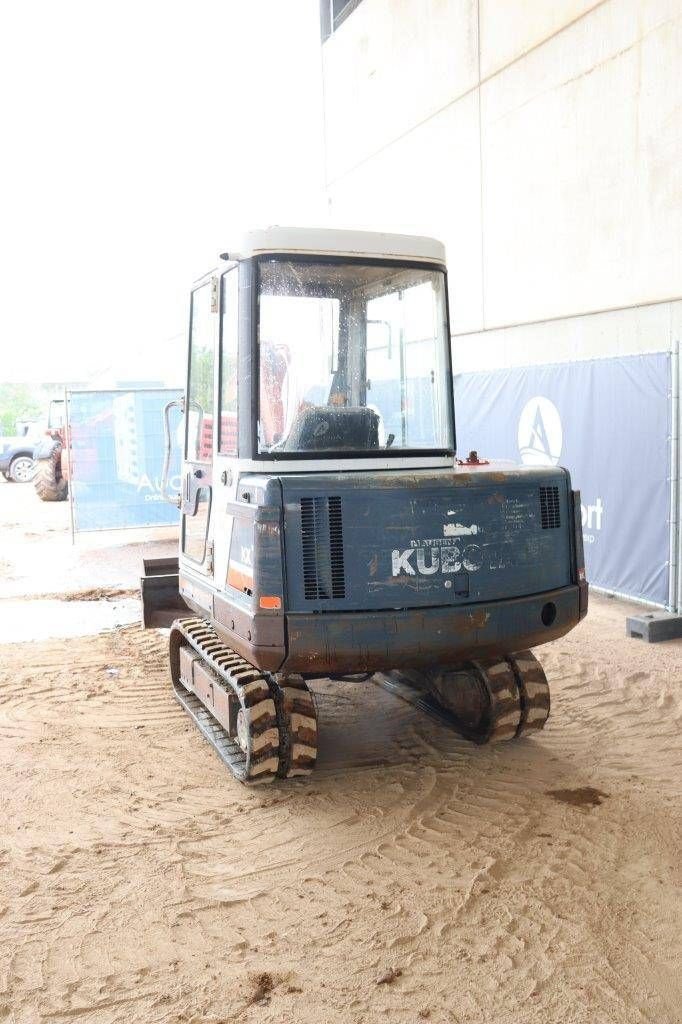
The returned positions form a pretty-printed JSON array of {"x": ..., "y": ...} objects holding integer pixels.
[
  {"x": 550, "y": 512},
  {"x": 322, "y": 539}
]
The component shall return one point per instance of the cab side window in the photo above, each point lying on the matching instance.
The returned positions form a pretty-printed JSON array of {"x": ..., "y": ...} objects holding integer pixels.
[
  {"x": 200, "y": 387},
  {"x": 229, "y": 326}
]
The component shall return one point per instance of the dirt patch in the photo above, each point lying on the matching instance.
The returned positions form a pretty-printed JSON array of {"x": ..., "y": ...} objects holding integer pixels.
[
  {"x": 262, "y": 986},
  {"x": 40, "y": 557},
  {"x": 583, "y": 796},
  {"x": 92, "y": 594},
  {"x": 101, "y": 594}
]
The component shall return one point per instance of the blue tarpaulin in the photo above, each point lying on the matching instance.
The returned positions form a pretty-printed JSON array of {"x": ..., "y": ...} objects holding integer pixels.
[{"x": 608, "y": 422}]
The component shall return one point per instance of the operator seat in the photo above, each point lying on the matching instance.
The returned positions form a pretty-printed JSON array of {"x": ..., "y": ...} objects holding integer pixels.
[{"x": 333, "y": 428}]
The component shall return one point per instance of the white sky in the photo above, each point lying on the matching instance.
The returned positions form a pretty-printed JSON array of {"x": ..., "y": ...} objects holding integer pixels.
[{"x": 136, "y": 138}]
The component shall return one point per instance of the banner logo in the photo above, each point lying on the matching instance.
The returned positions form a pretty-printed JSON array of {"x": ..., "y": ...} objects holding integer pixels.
[{"x": 540, "y": 434}]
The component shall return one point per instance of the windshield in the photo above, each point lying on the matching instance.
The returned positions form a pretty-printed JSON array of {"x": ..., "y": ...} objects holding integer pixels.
[{"x": 353, "y": 357}]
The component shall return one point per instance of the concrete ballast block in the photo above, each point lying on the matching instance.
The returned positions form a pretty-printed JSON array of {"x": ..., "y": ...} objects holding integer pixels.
[{"x": 654, "y": 626}]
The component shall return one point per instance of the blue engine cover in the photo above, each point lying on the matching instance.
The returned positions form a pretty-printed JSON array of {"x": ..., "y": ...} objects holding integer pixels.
[{"x": 384, "y": 540}]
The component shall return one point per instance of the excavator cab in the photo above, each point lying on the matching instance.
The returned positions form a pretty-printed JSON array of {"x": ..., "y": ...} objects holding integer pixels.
[{"x": 327, "y": 527}]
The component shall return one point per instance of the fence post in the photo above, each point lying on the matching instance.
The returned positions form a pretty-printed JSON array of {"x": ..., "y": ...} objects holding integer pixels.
[
  {"x": 675, "y": 483},
  {"x": 67, "y": 449}
]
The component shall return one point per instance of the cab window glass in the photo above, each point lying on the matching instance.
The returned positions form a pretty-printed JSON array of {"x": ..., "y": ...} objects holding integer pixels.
[
  {"x": 200, "y": 386},
  {"x": 353, "y": 356},
  {"x": 228, "y": 367}
]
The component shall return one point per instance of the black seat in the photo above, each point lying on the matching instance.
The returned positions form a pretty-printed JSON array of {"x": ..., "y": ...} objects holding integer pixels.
[{"x": 333, "y": 428}]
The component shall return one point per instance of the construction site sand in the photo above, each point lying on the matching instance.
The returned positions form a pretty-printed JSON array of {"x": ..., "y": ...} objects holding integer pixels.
[{"x": 414, "y": 877}]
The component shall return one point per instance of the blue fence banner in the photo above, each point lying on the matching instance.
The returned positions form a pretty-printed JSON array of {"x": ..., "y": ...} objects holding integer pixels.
[
  {"x": 608, "y": 421},
  {"x": 116, "y": 456}
]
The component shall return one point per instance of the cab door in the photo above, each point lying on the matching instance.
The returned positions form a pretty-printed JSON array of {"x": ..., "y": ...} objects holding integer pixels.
[{"x": 197, "y": 477}]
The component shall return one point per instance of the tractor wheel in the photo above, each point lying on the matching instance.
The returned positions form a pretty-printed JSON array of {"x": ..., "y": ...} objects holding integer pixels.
[
  {"x": 49, "y": 483},
  {"x": 21, "y": 469}
]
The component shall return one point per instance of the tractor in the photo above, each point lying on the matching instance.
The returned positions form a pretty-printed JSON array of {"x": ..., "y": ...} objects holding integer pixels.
[
  {"x": 328, "y": 529},
  {"x": 51, "y": 458}
]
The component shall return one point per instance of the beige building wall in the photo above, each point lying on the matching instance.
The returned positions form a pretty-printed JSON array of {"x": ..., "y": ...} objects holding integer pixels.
[{"x": 542, "y": 141}]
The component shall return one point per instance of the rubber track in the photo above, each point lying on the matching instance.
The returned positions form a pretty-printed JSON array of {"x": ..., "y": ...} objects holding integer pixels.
[
  {"x": 298, "y": 717},
  {"x": 281, "y": 719},
  {"x": 423, "y": 701},
  {"x": 518, "y": 695},
  {"x": 534, "y": 692}
]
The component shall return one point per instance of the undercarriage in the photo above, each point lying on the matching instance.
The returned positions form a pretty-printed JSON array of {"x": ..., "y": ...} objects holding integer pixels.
[{"x": 263, "y": 725}]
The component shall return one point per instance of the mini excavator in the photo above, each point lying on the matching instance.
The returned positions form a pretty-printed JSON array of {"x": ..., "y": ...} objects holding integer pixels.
[{"x": 328, "y": 529}]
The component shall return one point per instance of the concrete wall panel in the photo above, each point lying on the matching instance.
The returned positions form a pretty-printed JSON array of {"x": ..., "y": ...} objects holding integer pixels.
[
  {"x": 676, "y": 323},
  {"x": 510, "y": 28},
  {"x": 616, "y": 333},
  {"x": 582, "y": 168},
  {"x": 389, "y": 66},
  {"x": 403, "y": 187}
]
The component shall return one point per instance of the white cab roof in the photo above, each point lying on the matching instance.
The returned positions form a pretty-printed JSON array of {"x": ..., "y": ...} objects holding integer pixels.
[{"x": 336, "y": 242}]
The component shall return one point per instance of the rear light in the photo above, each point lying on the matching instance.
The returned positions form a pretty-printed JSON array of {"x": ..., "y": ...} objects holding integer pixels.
[{"x": 270, "y": 603}]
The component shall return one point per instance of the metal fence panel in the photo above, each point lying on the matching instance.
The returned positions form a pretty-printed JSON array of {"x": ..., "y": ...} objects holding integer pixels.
[
  {"x": 116, "y": 458},
  {"x": 609, "y": 422}
]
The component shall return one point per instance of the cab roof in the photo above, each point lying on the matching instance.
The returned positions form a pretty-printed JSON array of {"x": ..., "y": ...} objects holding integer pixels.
[{"x": 336, "y": 242}]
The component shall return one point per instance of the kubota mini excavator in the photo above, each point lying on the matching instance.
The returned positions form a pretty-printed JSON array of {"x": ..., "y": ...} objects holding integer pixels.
[{"x": 327, "y": 526}]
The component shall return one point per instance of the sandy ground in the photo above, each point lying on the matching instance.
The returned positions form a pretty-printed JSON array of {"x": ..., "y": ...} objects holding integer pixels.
[
  {"x": 413, "y": 878},
  {"x": 37, "y": 556},
  {"x": 39, "y": 561}
]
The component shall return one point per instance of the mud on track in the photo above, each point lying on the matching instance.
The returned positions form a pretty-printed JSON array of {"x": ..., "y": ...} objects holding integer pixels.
[{"x": 414, "y": 877}]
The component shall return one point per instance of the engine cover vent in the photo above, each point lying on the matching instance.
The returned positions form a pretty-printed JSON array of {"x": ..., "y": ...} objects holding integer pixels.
[
  {"x": 550, "y": 511},
  {"x": 322, "y": 540}
]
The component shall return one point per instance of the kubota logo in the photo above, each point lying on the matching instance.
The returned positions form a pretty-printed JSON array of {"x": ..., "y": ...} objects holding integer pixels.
[
  {"x": 428, "y": 557},
  {"x": 540, "y": 433}
]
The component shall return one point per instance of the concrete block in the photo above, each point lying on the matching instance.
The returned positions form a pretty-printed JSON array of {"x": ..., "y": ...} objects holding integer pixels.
[{"x": 654, "y": 626}]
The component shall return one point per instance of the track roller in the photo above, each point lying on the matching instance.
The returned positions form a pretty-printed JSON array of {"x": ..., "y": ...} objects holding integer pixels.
[{"x": 262, "y": 726}]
